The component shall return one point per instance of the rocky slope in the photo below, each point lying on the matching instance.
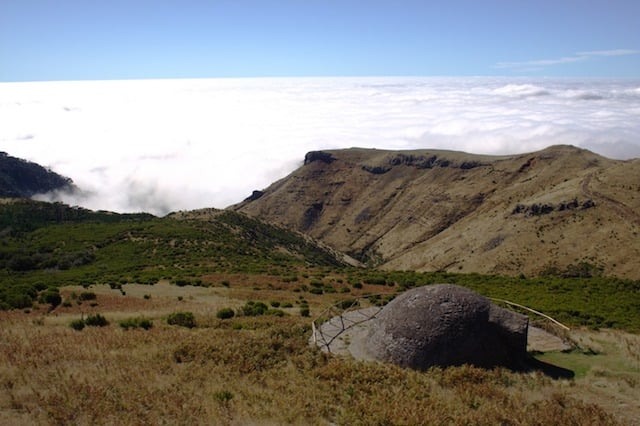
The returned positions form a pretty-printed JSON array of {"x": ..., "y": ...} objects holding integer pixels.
[
  {"x": 562, "y": 209},
  {"x": 23, "y": 179}
]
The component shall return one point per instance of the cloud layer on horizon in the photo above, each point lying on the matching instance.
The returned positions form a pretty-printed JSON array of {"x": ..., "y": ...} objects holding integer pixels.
[{"x": 166, "y": 145}]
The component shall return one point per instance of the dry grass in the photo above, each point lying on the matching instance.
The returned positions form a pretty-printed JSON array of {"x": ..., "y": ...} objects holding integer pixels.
[
  {"x": 247, "y": 371},
  {"x": 460, "y": 220}
]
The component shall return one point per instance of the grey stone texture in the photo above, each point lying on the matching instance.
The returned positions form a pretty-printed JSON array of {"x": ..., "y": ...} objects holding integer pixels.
[{"x": 443, "y": 325}]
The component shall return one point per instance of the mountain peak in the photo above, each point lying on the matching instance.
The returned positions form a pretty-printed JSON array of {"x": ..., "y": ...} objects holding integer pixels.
[{"x": 455, "y": 211}]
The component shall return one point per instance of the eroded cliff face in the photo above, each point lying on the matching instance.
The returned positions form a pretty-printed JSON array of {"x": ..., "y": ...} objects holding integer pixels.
[{"x": 562, "y": 207}]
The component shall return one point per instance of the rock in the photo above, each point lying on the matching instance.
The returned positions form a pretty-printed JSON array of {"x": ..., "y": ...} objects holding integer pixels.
[
  {"x": 255, "y": 195},
  {"x": 443, "y": 325},
  {"x": 311, "y": 215},
  {"x": 376, "y": 170},
  {"x": 312, "y": 156},
  {"x": 588, "y": 204}
]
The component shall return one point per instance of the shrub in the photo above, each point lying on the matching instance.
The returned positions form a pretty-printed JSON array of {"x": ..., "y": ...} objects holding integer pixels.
[
  {"x": 40, "y": 286},
  {"x": 138, "y": 322},
  {"x": 181, "y": 282},
  {"x": 87, "y": 295},
  {"x": 182, "y": 319},
  {"x": 274, "y": 304},
  {"x": 304, "y": 311},
  {"x": 16, "y": 299},
  {"x": 96, "y": 320},
  {"x": 254, "y": 309},
  {"x": 223, "y": 396},
  {"x": 225, "y": 313},
  {"x": 52, "y": 297},
  {"x": 376, "y": 280},
  {"x": 77, "y": 324}
]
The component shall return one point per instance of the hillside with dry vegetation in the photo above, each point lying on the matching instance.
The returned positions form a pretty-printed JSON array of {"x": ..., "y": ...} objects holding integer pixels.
[
  {"x": 561, "y": 211},
  {"x": 205, "y": 317}
]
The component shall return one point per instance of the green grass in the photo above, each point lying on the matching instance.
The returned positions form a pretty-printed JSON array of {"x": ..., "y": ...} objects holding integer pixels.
[
  {"x": 51, "y": 245},
  {"x": 577, "y": 361}
]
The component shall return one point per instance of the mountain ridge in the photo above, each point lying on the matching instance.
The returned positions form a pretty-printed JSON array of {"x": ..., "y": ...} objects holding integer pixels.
[
  {"x": 23, "y": 179},
  {"x": 559, "y": 209}
]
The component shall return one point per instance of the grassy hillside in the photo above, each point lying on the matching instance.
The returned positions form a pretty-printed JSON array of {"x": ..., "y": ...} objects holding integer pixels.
[{"x": 52, "y": 245}]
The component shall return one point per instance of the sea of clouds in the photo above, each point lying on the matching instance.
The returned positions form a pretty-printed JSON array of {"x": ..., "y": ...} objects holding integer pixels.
[{"x": 167, "y": 145}]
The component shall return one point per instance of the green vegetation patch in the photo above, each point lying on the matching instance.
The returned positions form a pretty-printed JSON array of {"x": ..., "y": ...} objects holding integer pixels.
[
  {"x": 137, "y": 322},
  {"x": 56, "y": 245},
  {"x": 182, "y": 319}
]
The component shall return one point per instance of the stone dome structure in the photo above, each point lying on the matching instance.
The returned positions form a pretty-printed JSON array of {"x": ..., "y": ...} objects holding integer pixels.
[{"x": 443, "y": 325}]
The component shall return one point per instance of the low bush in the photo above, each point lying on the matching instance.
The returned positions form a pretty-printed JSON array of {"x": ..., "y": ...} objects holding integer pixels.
[
  {"x": 276, "y": 312},
  {"x": 181, "y": 282},
  {"x": 77, "y": 324},
  {"x": 15, "y": 299},
  {"x": 87, "y": 295},
  {"x": 96, "y": 320},
  {"x": 223, "y": 396},
  {"x": 137, "y": 322},
  {"x": 51, "y": 297},
  {"x": 254, "y": 309},
  {"x": 225, "y": 313},
  {"x": 182, "y": 319}
]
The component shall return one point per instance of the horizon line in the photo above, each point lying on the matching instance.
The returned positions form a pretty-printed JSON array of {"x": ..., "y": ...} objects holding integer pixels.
[{"x": 320, "y": 77}]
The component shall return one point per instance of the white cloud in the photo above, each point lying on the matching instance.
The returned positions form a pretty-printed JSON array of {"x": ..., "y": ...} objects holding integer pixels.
[
  {"x": 183, "y": 144},
  {"x": 538, "y": 64},
  {"x": 613, "y": 52}
]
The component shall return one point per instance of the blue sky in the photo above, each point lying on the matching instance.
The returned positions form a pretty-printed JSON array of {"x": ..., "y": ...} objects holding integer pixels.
[{"x": 138, "y": 39}]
